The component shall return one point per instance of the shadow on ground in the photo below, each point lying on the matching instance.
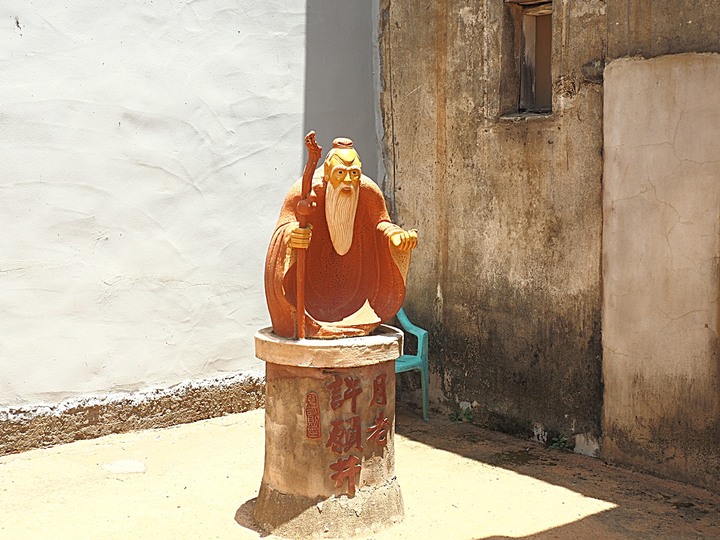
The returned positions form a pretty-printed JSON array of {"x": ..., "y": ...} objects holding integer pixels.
[
  {"x": 244, "y": 517},
  {"x": 646, "y": 506}
]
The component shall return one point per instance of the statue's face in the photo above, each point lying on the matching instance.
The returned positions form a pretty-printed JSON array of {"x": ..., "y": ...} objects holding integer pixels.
[
  {"x": 343, "y": 170},
  {"x": 341, "y": 200},
  {"x": 345, "y": 178}
]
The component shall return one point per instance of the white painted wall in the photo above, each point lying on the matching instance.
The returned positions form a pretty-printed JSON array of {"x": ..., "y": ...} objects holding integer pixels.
[{"x": 145, "y": 147}]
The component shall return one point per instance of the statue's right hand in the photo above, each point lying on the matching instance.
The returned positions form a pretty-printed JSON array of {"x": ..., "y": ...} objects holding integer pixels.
[{"x": 300, "y": 237}]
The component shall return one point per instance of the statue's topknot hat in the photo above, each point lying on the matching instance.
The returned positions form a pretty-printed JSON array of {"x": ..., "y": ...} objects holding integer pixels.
[{"x": 343, "y": 152}]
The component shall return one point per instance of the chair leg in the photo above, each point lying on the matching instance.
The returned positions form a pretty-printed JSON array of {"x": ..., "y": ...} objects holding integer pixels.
[{"x": 425, "y": 380}]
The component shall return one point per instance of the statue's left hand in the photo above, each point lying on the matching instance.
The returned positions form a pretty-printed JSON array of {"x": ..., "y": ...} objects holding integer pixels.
[{"x": 404, "y": 240}]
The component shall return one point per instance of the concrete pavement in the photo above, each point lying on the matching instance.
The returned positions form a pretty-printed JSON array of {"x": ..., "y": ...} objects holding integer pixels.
[{"x": 199, "y": 481}]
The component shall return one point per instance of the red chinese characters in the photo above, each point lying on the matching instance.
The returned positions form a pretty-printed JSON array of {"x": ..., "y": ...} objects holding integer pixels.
[
  {"x": 378, "y": 432},
  {"x": 379, "y": 396},
  {"x": 352, "y": 391},
  {"x": 345, "y": 471},
  {"x": 344, "y": 435},
  {"x": 312, "y": 416}
]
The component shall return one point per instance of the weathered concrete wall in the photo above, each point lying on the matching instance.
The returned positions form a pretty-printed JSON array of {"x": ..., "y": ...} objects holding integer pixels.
[
  {"x": 507, "y": 276},
  {"x": 661, "y": 245},
  {"x": 642, "y": 28}
]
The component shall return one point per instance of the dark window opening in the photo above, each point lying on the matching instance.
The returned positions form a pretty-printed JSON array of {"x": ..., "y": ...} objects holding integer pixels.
[{"x": 533, "y": 20}]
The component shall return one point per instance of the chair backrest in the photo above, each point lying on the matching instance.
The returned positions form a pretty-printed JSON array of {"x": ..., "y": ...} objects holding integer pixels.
[{"x": 420, "y": 333}]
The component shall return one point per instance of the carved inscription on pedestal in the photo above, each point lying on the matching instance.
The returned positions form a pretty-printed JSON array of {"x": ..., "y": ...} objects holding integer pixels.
[
  {"x": 379, "y": 396},
  {"x": 345, "y": 470},
  {"x": 338, "y": 397},
  {"x": 345, "y": 434},
  {"x": 379, "y": 430},
  {"x": 312, "y": 416}
]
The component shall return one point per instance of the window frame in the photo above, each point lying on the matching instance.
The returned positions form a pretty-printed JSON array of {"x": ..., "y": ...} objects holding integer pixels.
[{"x": 535, "y": 86}]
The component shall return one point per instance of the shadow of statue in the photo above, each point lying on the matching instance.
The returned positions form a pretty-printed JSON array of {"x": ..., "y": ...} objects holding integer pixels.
[{"x": 244, "y": 517}]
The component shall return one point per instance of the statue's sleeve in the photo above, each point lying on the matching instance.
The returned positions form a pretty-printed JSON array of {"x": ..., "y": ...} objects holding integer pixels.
[
  {"x": 378, "y": 214},
  {"x": 280, "y": 258},
  {"x": 392, "y": 264}
]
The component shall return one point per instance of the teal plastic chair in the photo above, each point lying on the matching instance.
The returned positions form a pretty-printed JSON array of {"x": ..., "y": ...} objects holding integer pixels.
[{"x": 419, "y": 361}]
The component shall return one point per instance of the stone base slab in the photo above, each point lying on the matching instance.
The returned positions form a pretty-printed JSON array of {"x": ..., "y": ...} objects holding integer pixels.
[
  {"x": 293, "y": 516},
  {"x": 385, "y": 343}
]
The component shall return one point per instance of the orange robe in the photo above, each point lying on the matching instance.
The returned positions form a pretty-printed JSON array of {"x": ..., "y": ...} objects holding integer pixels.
[{"x": 344, "y": 295}]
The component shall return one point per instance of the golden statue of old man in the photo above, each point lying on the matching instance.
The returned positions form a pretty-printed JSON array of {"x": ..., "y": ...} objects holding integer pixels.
[{"x": 336, "y": 233}]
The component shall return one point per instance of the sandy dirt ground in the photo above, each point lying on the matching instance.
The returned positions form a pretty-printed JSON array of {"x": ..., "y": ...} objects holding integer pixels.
[{"x": 200, "y": 480}]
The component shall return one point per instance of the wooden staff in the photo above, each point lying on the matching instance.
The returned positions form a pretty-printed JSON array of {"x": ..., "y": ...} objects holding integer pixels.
[{"x": 304, "y": 208}]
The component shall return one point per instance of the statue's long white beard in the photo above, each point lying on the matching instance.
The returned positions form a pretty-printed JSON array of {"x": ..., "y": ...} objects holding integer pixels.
[{"x": 340, "y": 209}]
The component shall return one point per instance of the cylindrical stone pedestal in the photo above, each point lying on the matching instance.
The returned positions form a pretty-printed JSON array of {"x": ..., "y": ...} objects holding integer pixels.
[{"x": 329, "y": 435}]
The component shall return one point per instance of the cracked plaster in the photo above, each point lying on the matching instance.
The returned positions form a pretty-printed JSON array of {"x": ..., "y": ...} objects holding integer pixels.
[{"x": 661, "y": 243}]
